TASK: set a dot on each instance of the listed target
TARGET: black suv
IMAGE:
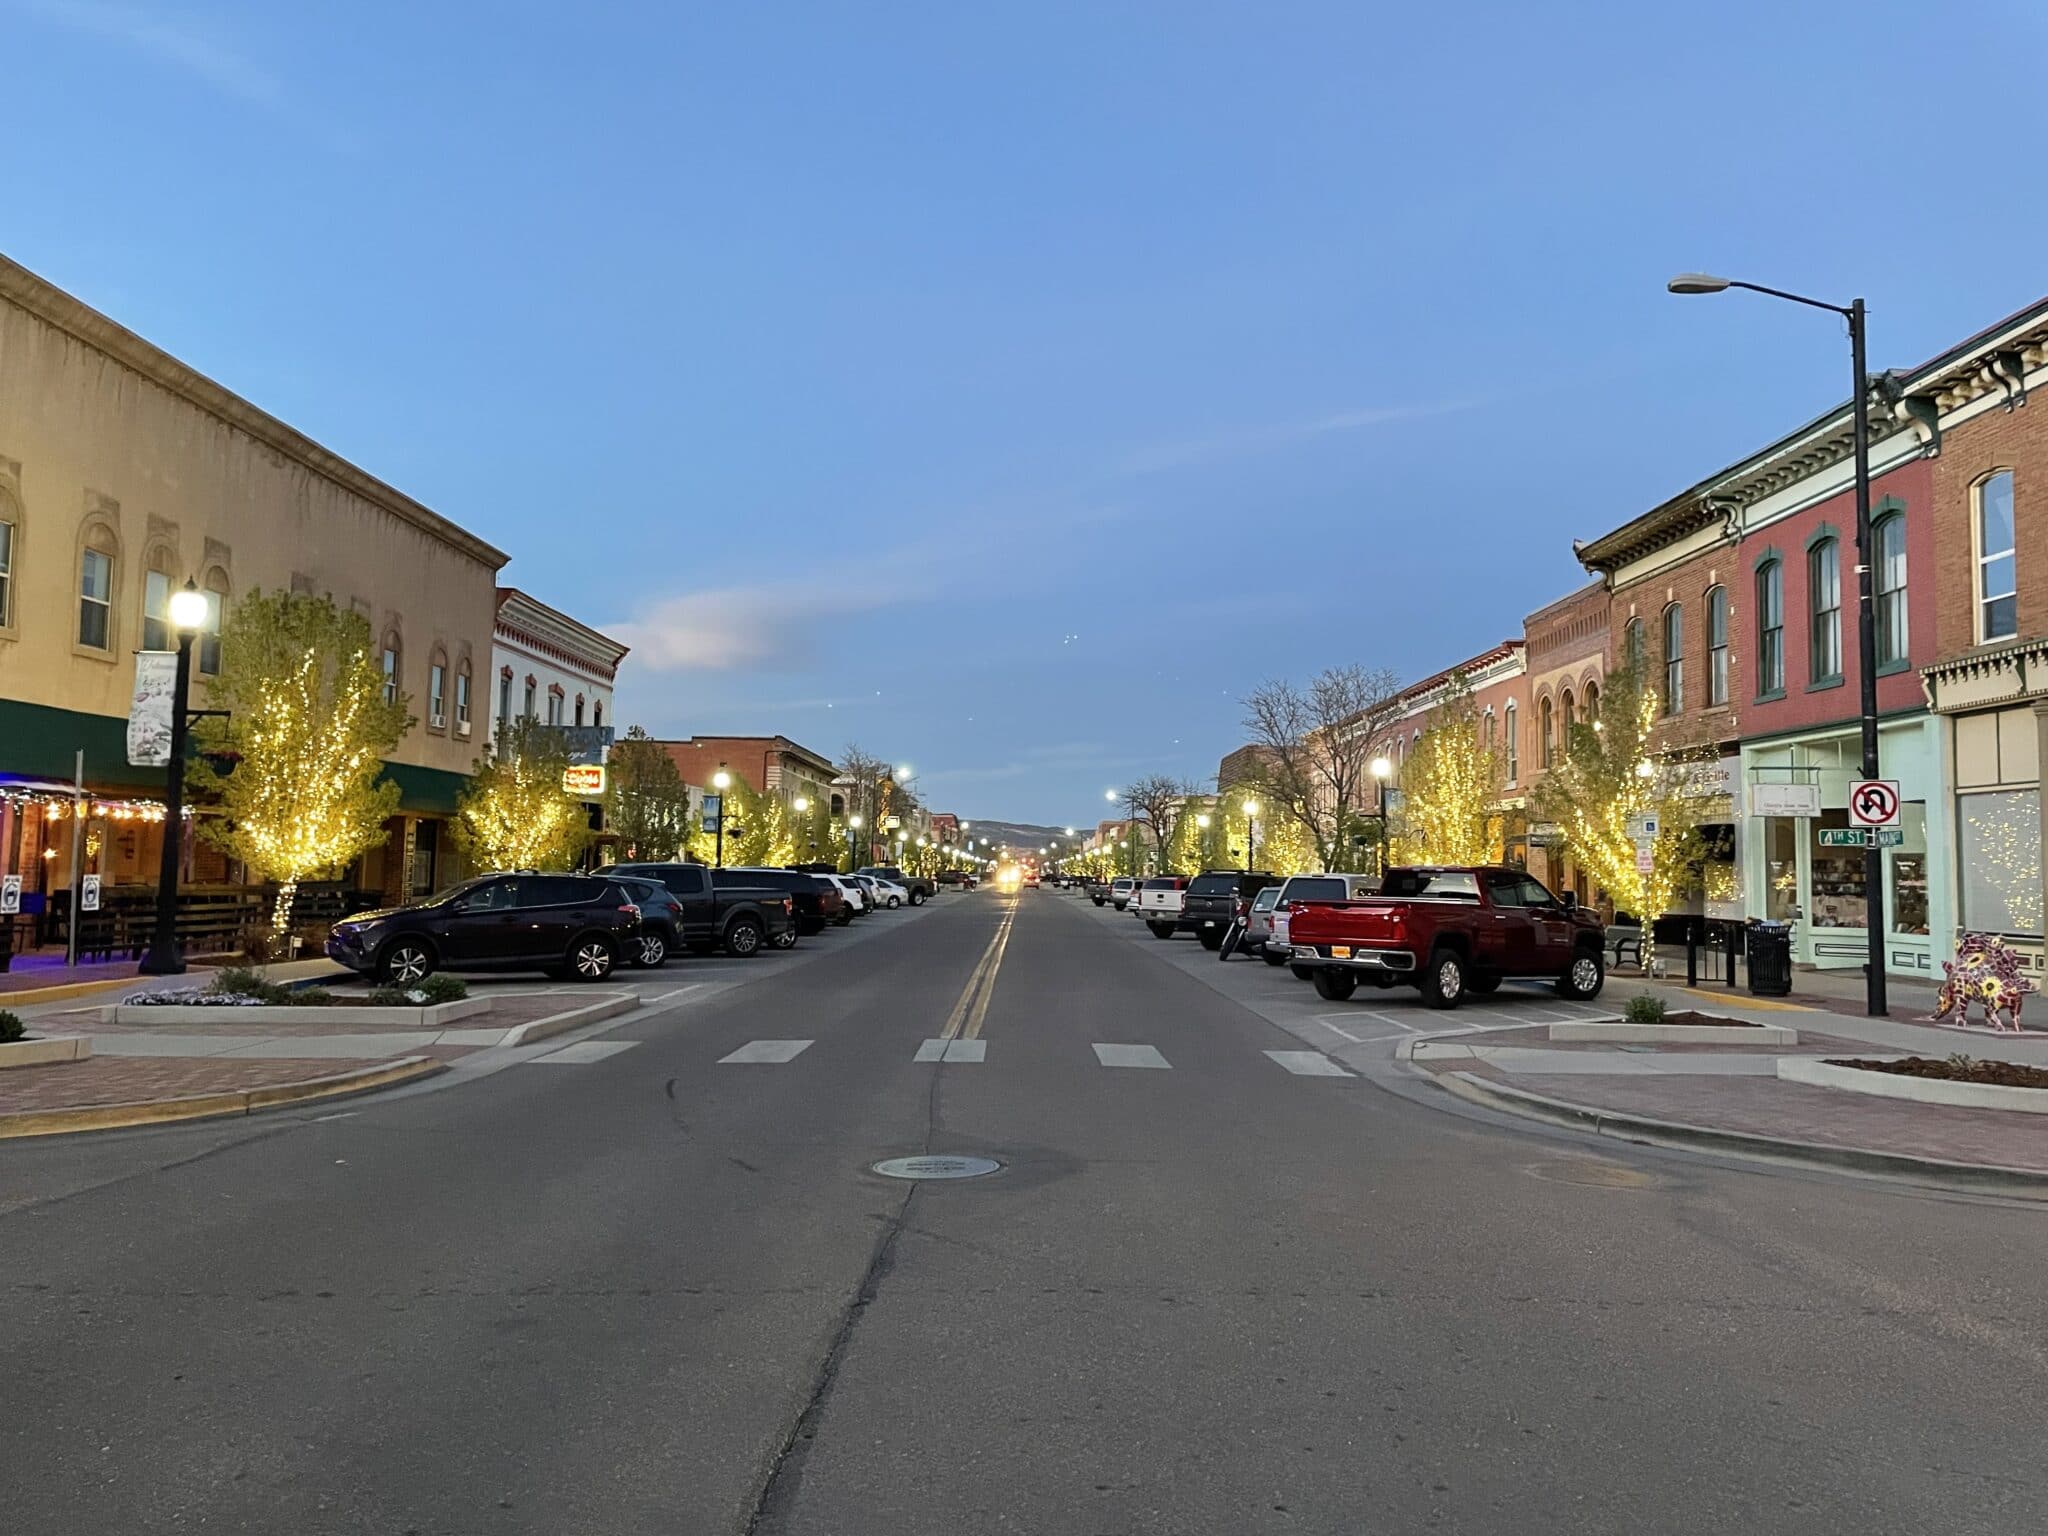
(661, 920)
(1210, 905)
(566, 925)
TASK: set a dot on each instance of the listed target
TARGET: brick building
(1565, 658)
(774, 764)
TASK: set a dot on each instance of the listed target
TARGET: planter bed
(42, 1050)
(1979, 1085)
(1686, 1028)
(429, 1016)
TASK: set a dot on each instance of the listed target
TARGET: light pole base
(155, 963)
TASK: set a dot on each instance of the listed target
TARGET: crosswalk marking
(952, 1050)
(1308, 1063)
(1130, 1056)
(583, 1052)
(771, 1052)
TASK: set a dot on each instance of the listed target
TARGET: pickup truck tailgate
(1371, 923)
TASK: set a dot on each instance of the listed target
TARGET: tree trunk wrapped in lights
(306, 734)
(515, 813)
(1450, 789)
(1626, 764)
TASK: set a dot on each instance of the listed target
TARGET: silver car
(1258, 926)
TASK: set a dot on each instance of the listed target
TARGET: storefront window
(1839, 896)
(1908, 910)
(2000, 837)
(1781, 869)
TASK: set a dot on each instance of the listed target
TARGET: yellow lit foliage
(1450, 789)
(515, 813)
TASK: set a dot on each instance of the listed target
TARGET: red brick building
(772, 763)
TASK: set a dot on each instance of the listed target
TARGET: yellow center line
(959, 1014)
(988, 983)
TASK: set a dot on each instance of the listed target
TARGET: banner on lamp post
(149, 711)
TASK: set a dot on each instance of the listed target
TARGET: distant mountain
(1020, 834)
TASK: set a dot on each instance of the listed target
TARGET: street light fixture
(1382, 769)
(186, 612)
(1874, 1002)
(1250, 809)
(721, 781)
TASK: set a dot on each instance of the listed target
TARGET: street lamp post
(1251, 809)
(1382, 771)
(1875, 1003)
(721, 781)
(187, 615)
(853, 823)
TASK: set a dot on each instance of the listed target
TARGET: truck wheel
(1584, 977)
(1335, 985)
(1161, 930)
(743, 937)
(1302, 973)
(1443, 979)
(1211, 939)
(1273, 956)
(917, 898)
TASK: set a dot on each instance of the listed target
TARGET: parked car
(1213, 899)
(661, 921)
(1312, 888)
(1450, 930)
(1258, 926)
(1098, 891)
(855, 893)
(921, 890)
(818, 902)
(888, 893)
(565, 925)
(1159, 903)
(737, 918)
(1121, 890)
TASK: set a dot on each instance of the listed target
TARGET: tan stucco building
(122, 474)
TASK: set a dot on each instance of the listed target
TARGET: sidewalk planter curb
(63, 991)
(433, 1016)
(1675, 1133)
(41, 1050)
(208, 1106)
(575, 1018)
(1676, 1034)
(1817, 1073)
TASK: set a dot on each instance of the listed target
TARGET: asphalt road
(648, 1290)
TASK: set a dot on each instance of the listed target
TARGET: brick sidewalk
(149, 1079)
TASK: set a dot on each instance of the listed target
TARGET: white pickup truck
(1159, 903)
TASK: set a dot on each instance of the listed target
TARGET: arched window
(98, 562)
(1565, 718)
(1487, 735)
(1514, 762)
(579, 709)
(1632, 643)
(391, 660)
(437, 690)
(1998, 614)
(597, 712)
(1888, 539)
(462, 698)
(1770, 627)
(156, 599)
(1824, 594)
(1545, 751)
(526, 709)
(1592, 701)
(216, 589)
(1717, 645)
(1674, 659)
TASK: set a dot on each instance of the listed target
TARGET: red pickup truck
(1448, 930)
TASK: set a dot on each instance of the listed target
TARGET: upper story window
(1998, 613)
(1487, 735)
(597, 713)
(1544, 733)
(579, 709)
(437, 693)
(527, 711)
(1508, 730)
(96, 599)
(462, 699)
(6, 563)
(1592, 703)
(156, 604)
(1632, 642)
(1770, 627)
(1824, 590)
(391, 669)
(1567, 717)
(1888, 539)
(554, 707)
(216, 593)
(504, 701)
(1717, 646)
(1674, 659)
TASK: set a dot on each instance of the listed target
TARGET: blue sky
(1008, 387)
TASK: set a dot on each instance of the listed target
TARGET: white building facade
(548, 667)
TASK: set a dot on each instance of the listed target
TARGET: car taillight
(630, 910)
(789, 904)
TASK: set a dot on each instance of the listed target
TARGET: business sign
(584, 743)
(713, 806)
(10, 895)
(149, 710)
(1874, 802)
(583, 779)
(892, 822)
(1784, 799)
(89, 893)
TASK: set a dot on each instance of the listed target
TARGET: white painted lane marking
(1130, 1056)
(1342, 1034)
(583, 1052)
(1308, 1063)
(765, 1052)
(941, 1049)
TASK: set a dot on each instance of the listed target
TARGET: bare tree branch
(1319, 741)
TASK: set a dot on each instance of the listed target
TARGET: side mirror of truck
(1567, 900)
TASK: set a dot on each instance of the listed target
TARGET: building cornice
(54, 307)
(525, 618)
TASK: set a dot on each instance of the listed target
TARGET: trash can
(1770, 958)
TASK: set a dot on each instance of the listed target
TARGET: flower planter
(1817, 1073)
(431, 1016)
(42, 1050)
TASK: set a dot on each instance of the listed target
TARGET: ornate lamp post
(721, 781)
(187, 617)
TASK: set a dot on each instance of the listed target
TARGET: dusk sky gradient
(1008, 388)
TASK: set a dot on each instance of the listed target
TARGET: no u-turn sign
(1874, 803)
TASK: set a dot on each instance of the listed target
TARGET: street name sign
(1857, 837)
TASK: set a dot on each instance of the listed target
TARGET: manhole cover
(1597, 1175)
(936, 1167)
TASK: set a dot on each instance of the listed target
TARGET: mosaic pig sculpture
(1987, 971)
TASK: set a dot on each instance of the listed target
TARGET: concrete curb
(64, 992)
(209, 1106)
(575, 1018)
(42, 1050)
(1624, 1033)
(428, 1016)
(1674, 1133)
(1818, 1073)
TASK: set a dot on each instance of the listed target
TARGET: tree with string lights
(515, 814)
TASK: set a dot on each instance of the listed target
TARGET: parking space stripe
(1130, 1056)
(765, 1052)
(1308, 1063)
